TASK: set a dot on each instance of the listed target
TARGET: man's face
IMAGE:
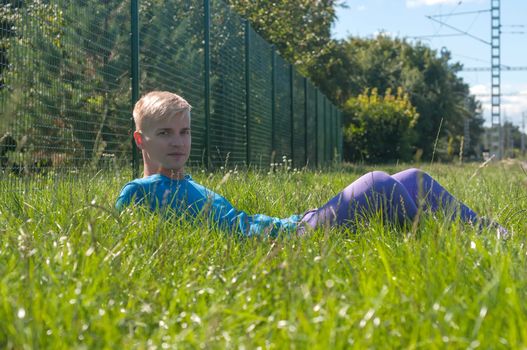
(166, 145)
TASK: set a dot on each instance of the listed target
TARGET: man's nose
(176, 141)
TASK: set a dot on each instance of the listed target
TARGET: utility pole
(496, 135)
(505, 136)
(523, 134)
(466, 136)
(496, 144)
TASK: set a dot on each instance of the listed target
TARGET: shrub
(379, 128)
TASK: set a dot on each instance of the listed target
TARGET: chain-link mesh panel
(171, 57)
(227, 123)
(64, 86)
(327, 133)
(334, 150)
(283, 109)
(321, 141)
(336, 142)
(311, 131)
(260, 124)
(331, 133)
(299, 127)
(339, 135)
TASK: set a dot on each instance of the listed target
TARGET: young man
(163, 134)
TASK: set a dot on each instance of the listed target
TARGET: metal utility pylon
(523, 133)
(496, 144)
(466, 136)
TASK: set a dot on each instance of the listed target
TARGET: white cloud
(417, 3)
(513, 101)
(479, 89)
(384, 33)
(513, 107)
(361, 8)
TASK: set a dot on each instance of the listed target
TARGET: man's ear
(138, 138)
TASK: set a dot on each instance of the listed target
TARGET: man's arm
(130, 192)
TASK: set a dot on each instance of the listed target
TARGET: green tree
(429, 78)
(379, 128)
(475, 120)
(300, 29)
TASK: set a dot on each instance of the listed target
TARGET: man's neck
(170, 173)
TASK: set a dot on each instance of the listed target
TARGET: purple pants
(396, 197)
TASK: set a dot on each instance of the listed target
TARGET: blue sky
(408, 18)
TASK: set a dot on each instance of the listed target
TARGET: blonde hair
(158, 105)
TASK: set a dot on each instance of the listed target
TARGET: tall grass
(76, 274)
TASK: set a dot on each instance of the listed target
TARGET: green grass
(75, 274)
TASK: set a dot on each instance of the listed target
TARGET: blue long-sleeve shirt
(187, 197)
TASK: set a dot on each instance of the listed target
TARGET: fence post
(331, 139)
(317, 161)
(334, 132)
(291, 89)
(335, 138)
(341, 137)
(325, 131)
(134, 28)
(305, 123)
(273, 102)
(206, 51)
(247, 91)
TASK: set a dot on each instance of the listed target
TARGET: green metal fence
(70, 72)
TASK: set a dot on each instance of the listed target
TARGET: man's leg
(426, 190)
(373, 192)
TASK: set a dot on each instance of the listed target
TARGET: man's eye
(161, 133)
(186, 132)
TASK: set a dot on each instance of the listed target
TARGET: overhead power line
(503, 94)
(460, 13)
(435, 36)
(487, 69)
(458, 30)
